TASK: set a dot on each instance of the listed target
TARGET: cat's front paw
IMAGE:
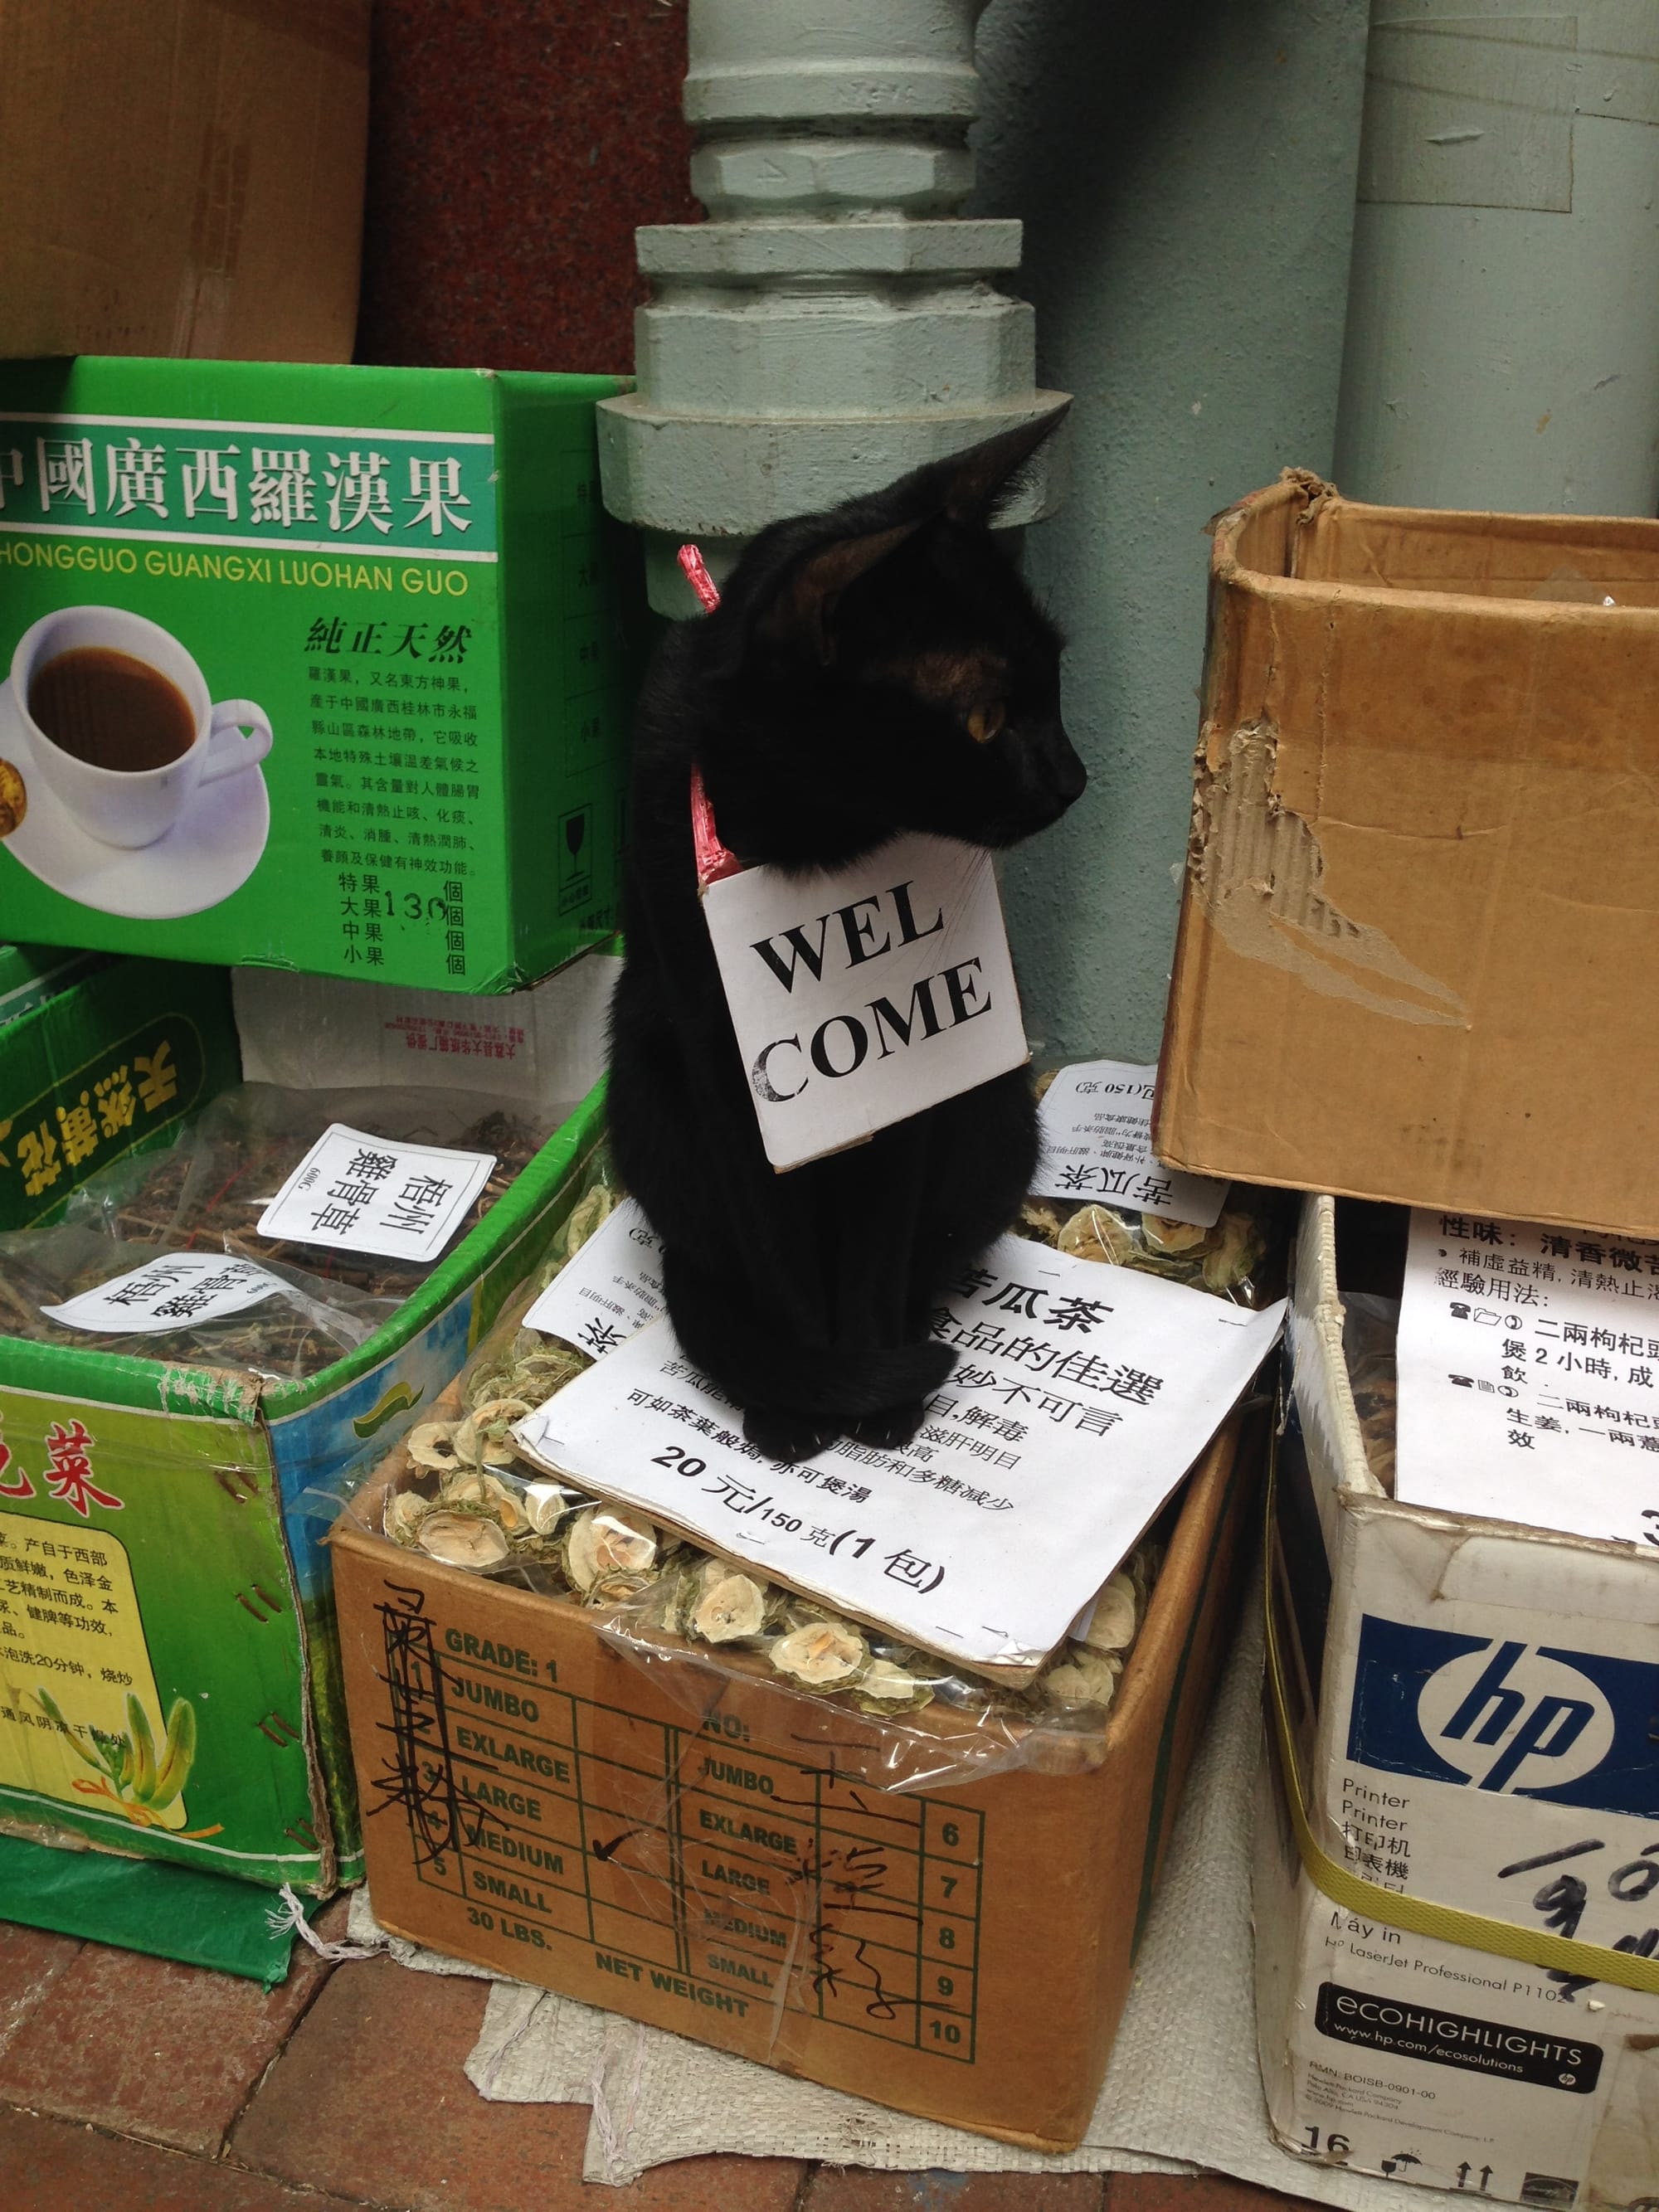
(788, 1436)
(892, 1428)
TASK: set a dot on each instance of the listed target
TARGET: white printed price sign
(177, 1292)
(365, 1194)
(609, 1289)
(1081, 1395)
(861, 996)
(1096, 1121)
(1528, 1375)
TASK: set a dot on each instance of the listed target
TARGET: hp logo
(1510, 1718)
(1507, 1715)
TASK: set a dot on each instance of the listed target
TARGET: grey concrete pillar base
(835, 324)
(712, 478)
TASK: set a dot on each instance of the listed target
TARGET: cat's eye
(984, 723)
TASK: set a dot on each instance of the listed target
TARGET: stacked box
(1472, 1707)
(160, 1524)
(703, 1849)
(316, 668)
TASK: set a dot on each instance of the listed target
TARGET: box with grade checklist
(325, 669)
(713, 1854)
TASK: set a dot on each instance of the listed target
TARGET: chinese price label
(609, 1290)
(1096, 1119)
(177, 1291)
(1080, 1397)
(1529, 1363)
(861, 996)
(368, 1194)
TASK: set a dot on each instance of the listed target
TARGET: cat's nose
(1070, 776)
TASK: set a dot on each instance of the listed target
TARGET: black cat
(875, 669)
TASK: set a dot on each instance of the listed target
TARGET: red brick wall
(514, 145)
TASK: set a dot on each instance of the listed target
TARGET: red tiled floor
(55, 2166)
(836, 2189)
(1203, 2192)
(369, 2101)
(145, 2047)
(31, 1959)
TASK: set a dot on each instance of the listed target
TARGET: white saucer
(209, 852)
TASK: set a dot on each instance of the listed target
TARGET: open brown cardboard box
(709, 1853)
(182, 177)
(1418, 955)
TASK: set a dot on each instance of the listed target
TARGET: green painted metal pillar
(835, 321)
(1502, 344)
(1186, 174)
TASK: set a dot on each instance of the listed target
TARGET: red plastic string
(698, 575)
(713, 859)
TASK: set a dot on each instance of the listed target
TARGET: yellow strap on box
(1475, 1931)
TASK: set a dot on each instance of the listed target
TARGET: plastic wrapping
(208, 1190)
(459, 1489)
(304, 1325)
(1370, 1328)
(1231, 1261)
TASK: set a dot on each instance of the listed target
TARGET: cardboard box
(1420, 890)
(319, 1032)
(160, 1524)
(370, 631)
(31, 973)
(710, 1854)
(103, 1066)
(183, 178)
(1472, 1703)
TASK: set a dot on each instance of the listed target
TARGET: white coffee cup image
(121, 725)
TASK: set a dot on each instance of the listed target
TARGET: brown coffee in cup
(111, 710)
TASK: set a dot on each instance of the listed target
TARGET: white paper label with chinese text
(1529, 1376)
(177, 1291)
(609, 1290)
(1096, 1121)
(863, 995)
(365, 1194)
(1081, 1395)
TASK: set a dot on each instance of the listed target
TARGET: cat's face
(949, 691)
(884, 664)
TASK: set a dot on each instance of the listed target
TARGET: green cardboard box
(30, 974)
(169, 1673)
(319, 668)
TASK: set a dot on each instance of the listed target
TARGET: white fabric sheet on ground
(1183, 2091)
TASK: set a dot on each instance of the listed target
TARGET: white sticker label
(862, 996)
(177, 1292)
(1081, 1396)
(1096, 1124)
(364, 1194)
(1529, 1376)
(609, 1290)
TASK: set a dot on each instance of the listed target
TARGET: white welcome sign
(863, 994)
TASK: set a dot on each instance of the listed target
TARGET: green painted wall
(1186, 173)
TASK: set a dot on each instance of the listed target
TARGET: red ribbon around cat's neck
(713, 859)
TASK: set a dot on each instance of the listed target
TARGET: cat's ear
(968, 484)
(804, 610)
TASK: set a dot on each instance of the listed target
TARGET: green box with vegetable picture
(309, 667)
(169, 1677)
